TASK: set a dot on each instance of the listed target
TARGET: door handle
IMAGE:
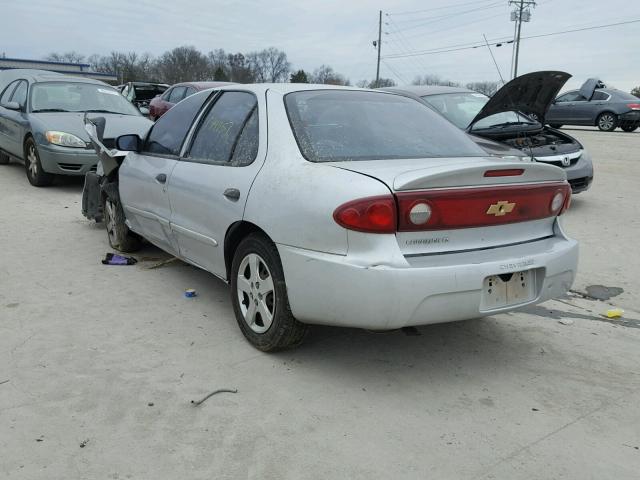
(161, 178)
(232, 194)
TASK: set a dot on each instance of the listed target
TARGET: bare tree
(269, 65)
(183, 64)
(430, 79)
(67, 57)
(486, 87)
(325, 74)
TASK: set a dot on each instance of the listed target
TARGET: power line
(393, 70)
(497, 41)
(439, 8)
(431, 20)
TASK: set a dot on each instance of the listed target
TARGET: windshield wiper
(98, 110)
(49, 110)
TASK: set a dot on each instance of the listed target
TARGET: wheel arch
(28, 135)
(235, 234)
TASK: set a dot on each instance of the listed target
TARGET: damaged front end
(104, 181)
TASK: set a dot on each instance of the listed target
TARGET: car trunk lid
(475, 203)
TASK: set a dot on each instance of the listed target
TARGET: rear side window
(190, 91)
(168, 133)
(228, 133)
(20, 93)
(343, 125)
(600, 96)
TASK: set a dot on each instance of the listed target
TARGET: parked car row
(161, 103)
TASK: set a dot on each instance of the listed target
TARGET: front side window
(20, 94)
(343, 125)
(228, 133)
(78, 97)
(167, 134)
(6, 94)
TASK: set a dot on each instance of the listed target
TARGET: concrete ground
(98, 365)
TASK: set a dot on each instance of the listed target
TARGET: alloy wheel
(606, 121)
(256, 294)
(33, 161)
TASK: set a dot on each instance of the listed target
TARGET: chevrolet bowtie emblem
(501, 208)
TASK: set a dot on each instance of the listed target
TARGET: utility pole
(379, 45)
(522, 13)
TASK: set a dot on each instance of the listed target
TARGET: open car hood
(531, 93)
(588, 87)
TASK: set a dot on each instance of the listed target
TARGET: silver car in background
(41, 122)
(338, 206)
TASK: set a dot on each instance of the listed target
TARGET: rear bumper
(67, 161)
(631, 117)
(339, 290)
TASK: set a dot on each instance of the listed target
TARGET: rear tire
(259, 296)
(120, 237)
(555, 125)
(629, 128)
(33, 168)
(607, 121)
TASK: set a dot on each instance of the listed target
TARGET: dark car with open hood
(512, 121)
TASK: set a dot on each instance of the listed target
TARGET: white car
(338, 206)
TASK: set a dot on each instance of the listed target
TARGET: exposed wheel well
(232, 239)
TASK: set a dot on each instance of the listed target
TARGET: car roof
(285, 88)
(203, 85)
(425, 90)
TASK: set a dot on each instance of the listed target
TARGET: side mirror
(12, 106)
(129, 143)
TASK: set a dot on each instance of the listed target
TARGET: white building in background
(77, 69)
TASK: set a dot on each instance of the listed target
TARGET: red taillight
(371, 215)
(512, 172)
(483, 206)
(634, 106)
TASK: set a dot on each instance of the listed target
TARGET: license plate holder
(509, 289)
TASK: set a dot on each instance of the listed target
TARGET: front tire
(629, 128)
(607, 122)
(120, 237)
(33, 168)
(555, 125)
(259, 296)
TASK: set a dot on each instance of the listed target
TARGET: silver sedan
(339, 206)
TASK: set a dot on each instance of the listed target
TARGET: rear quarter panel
(293, 200)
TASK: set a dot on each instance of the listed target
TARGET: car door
(144, 175)
(599, 102)
(209, 187)
(16, 122)
(562, 110)
(7, 133)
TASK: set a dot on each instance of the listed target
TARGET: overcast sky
(339, 33)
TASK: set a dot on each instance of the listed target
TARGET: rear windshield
(342, 125)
